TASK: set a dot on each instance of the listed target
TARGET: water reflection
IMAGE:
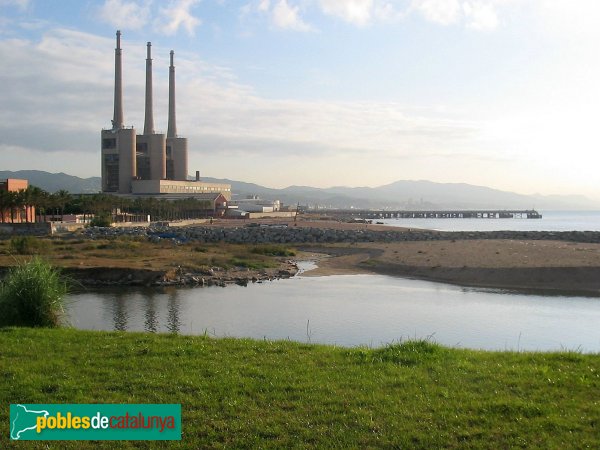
(151, 322)
(120, 314)
(173, 320)
(351, 310)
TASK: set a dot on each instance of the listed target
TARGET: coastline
(551, 266)
(218, 255)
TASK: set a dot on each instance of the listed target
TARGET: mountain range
(400, 194)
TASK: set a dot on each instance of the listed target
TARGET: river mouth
(350, 310)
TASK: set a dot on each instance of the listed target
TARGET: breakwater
(302, 235)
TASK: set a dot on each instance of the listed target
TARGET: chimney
(172, 129)
(117, 122)
(149, 120)
(197, 175)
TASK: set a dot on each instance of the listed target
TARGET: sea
(550, 221)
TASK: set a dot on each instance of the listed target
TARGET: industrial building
(149, 164)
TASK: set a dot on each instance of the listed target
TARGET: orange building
(14, 213)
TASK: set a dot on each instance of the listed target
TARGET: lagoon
(351, 310)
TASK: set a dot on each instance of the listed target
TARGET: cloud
(125, 14)
(78, 72)
(362, 12)
(281, 13)
(357, 12)
(21, 4)
(287, 16)
(178, 14)
(475, 14)
(480, 16)
(443, 12)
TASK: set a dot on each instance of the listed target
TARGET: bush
(273, 250)
(28, 245)
(31, 295)
(100, 221)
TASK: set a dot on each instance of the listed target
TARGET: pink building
(14, 213)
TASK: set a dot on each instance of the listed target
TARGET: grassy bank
(240, 393)
(139, 253)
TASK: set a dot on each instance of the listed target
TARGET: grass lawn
(244, 393)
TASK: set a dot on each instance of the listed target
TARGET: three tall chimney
(149, 118)
(172, 129)
(117, 122)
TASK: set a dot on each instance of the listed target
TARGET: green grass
(28, 245)
(273, 250)
(250, 263)
(242, 393)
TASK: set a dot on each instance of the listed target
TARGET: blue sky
(502, 93)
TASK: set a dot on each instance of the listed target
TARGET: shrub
(273, 250)
(31, 295)
(28, 245)
(100, 221)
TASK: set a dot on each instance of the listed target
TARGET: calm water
(551, 221)
(351, 310)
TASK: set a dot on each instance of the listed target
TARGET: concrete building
(141, 164)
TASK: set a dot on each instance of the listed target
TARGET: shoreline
(212, 255)
(537, 270)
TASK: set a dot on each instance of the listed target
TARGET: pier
(447, 214)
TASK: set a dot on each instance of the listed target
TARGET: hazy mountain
(412, 195)
(400, 194)
(53, 182)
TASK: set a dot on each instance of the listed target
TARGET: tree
(62, 198)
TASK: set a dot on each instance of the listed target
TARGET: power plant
(149, 164)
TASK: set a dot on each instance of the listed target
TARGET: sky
(498, 93)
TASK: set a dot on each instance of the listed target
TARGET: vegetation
(31, 295)
(28, 245)
(134, 252)
(101, 221)
(273, 250)
(103, 206)
(239, 393)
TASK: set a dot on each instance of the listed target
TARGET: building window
(141, 148)
(111, 170)
(109, 143)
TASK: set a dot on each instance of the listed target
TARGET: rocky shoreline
(303, 235)
(215, 276)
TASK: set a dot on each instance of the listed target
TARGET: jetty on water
(449, 214)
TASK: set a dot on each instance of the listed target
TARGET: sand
(509, 264)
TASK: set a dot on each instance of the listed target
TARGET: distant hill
(53, 182)
(400, 194)
(412, 195)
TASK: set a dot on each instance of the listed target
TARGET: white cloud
(443, 12)
(264, 5)
(21, 4)
(288, 17)
(358, 12)
(480, 15)
(125, 14)
(178, 14)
